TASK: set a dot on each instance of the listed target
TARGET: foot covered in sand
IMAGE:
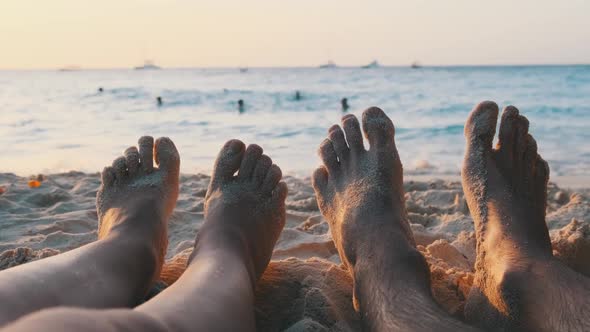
(136, 199)
(360, 193)
(518, 284)
(244, 212)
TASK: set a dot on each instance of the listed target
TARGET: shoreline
(563, 181)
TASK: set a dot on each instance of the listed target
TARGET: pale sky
(220, 33)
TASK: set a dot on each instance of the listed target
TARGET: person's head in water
(344, 103)
(240, 105)
(159, 101)
(100, 90)
(297, 95)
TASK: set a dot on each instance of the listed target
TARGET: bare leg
(518, 282)
(134, 203)
(244, 215)
(86, 320)
(361, 195)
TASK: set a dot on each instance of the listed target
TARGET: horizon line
(81, 68)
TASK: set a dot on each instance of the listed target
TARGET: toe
(530, 156)
(541, 180)
(228, 161)
(146, 153)
(251, 156)
(520, 139)
(280, 192)
(336, 135)
(319, 180)
(120, 167)
(328, 156)
(378, 128)
(261, 169)
(542, 171)
(507, 133)
(132, 159)
(107, 176)
(167, 156)
(529, 161)
(481, 125)
(479, 133)
(352, 130)
(272, 178)
(542, 177)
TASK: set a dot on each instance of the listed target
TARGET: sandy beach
(305, 286)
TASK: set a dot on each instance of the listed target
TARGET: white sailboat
(373, 64)
(329, 64)
(148, 65)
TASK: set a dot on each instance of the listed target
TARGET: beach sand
(305, 287)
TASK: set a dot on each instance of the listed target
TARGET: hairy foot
(361, 195)
(506, 190)
(244, 212)
(361, 192)
(136, 199)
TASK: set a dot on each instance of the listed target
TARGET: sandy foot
(132, 186)
(244, 212)
(61, 215)
(506, 190)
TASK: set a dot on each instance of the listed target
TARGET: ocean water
(54, 121)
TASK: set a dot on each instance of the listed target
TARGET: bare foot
(506, 190)
(136, 199)
(361, 195)
(244, 212)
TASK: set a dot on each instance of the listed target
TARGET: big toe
(167, 156)
(479, 133)
(228, 161)
(480, 127)
(378, 128)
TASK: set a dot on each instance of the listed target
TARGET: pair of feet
(361, 195)
(518, 283)
(244, 212)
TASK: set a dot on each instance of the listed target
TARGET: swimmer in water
(241, 106)
(344, 103)
(297, 95)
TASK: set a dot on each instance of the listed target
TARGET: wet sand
(304, 288)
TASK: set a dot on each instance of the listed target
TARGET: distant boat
(416, 65)
(70, 68)
(148, 65)
(243, 69)
(329, 64)
(373, 64)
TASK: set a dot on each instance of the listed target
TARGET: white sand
(304, 288)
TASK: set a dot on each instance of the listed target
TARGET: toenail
(234, 147)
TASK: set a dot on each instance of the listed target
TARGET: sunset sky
(218, 33)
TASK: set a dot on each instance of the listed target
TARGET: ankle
(137, 218)
(223, 244)
(393, 268)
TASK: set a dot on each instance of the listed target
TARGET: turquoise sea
(54, 121)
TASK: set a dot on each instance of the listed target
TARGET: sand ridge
(304, 288)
